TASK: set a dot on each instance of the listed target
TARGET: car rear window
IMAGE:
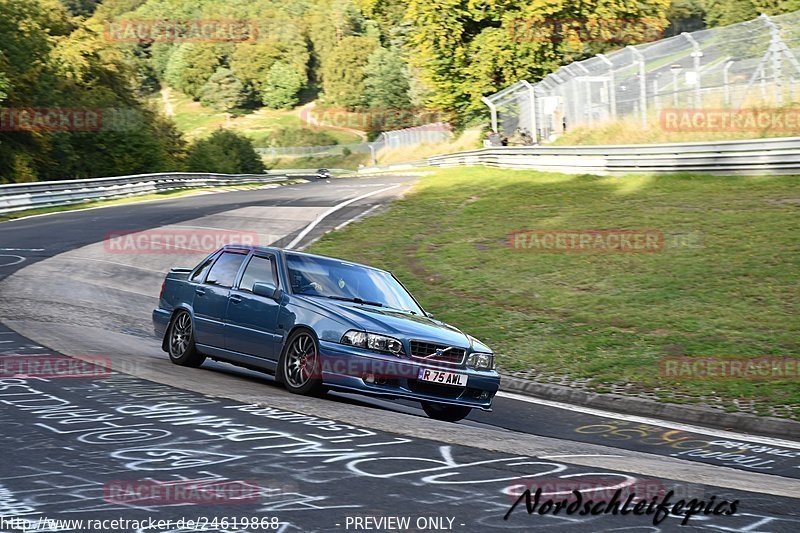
(202, 269)
(223, 273)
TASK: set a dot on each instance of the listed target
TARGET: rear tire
(446, 413)
(300, 364)
(180, 342)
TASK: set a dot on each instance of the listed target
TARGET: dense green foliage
(224, 152)
(50, 63)
(295, 136)
(360, 55)
(222, 90)
(377, 54)
(283, 83)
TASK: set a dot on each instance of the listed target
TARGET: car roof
(275, 249)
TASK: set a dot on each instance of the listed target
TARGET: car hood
(394, 323)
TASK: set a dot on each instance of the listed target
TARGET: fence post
(726, 82)
(612, 86)
(532, 100)
(774, 52)
(642, 85)
(656, 101)
(696, 55)
(492, 110)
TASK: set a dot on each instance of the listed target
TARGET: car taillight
(161, 294)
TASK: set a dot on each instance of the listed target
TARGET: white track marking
(332, 210)
(19, 259)
(722, 434)
(358, 216)
(123, 264)
(577, 455)
(21, 249)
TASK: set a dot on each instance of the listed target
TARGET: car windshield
(340, 280)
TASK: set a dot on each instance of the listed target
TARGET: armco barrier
(780, 155)
(21, 196)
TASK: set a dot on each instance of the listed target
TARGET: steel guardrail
(778, 155)
(24, 196)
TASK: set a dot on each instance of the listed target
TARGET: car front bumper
(354, 369)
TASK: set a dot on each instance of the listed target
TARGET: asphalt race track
(340, 463)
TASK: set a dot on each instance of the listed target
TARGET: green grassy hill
(724, 284)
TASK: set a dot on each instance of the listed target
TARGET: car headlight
(373, 341)
(481, 361)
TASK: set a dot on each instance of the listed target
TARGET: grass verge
(197, 121)
(630, 131)
(724, 285)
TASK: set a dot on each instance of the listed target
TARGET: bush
(223, 91)
(282, 85)
(296, 136)
(224, 152)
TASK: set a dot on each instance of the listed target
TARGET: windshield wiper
(354, 300)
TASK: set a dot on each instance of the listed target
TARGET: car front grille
(427, 351)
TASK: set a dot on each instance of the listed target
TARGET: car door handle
(200, 291)
(235, 298)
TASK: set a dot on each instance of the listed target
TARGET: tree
(464, 50)
(81, 7)
(386, 80)
(5, 86)
(191, 65)
(225, 152)
(251, 63)
(724, 12)
(685, 16)
(223, 91)
(48, 60)
(330, 22)
(343, 72)
(282, 85)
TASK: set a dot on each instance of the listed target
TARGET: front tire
(180, 342)
(446, 413)
(300, 364)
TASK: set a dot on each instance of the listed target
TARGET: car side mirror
(429, 315)
(267, 290)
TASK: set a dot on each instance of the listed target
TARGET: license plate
(443, 378)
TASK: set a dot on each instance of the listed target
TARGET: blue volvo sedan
(319, 323)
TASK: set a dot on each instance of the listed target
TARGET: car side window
(223, 273)
(258, 270)
(202, 269)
